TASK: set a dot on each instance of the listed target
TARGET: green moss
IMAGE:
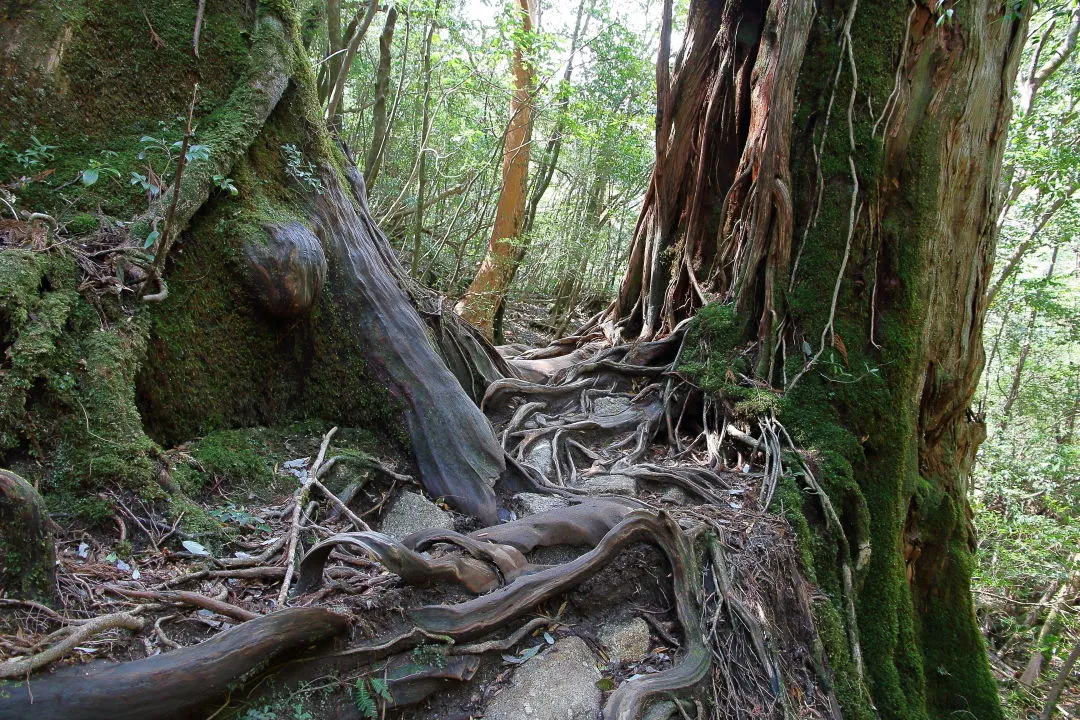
(234, 457)
(198, 523)
(66, 390)
(81, 59)
(82, 224)
(216, 360)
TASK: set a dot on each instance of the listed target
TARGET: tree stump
(27, 554)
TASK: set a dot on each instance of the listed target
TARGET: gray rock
(561, 685)
(609, 485)
(626, 640)
(659, 711)
(411, 513)
(611, 405)
(533, 503)
(675, 495)
(556, 554)
(539, 455)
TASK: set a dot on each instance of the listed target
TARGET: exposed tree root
(741, 629)
(79, 634)
(170, 685)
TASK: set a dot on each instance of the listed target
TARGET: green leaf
(89, 176)
(151, 239)
(381, 689)
(363, 701)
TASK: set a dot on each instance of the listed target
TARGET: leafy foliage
(367, 693)
(1026, 493)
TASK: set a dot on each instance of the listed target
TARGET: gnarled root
(170, 685)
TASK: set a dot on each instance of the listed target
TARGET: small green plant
(150, 187)
(366, 693)
(427, 654)
(225, 183)
(238, 515)
(163, 152)
(97, 168)
(300, 170)
(266, 712)
(37, 154)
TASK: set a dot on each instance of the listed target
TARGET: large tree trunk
(849, 224)
(279, 304)
(485, 294)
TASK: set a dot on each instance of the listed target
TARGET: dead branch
(80, 634)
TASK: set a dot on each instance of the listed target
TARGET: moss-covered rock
(27, 555)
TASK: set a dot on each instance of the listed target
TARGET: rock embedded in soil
(609, 485)
(607, 405)
(676, 496)
(411, 513)
(560, 685)
(627, 640)
(534, 503)
(557, 554)
(539, 455)
(660, 711)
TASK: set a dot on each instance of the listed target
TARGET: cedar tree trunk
(824, 200)
(281, 303)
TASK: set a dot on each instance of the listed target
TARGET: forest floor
(597, 433)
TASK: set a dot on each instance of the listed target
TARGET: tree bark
(488, 288)
(379, 124)
(285, 302)
(852, 248)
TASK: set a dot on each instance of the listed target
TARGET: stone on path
(540, 456)
(614, 484)
(411, 513)
(534, 503)
(627, 640)
(560, 685)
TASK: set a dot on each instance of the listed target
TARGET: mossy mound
(67, 398)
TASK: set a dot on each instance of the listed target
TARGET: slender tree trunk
(357, 30)
(1025, 350)
(488, 288)
(334, 49)
(373, 160)
(554, 145)
(1059, 683)
(1027, 245)
(425, 129)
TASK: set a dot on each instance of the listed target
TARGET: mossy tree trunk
(283, 302)
(827, 183)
